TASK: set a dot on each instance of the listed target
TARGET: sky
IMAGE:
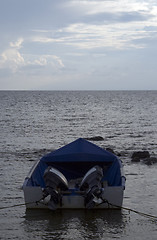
(78, 45)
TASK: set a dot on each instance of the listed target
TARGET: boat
(79, 175)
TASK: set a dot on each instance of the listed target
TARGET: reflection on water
(75, 224)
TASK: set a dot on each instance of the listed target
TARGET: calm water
(34, 123)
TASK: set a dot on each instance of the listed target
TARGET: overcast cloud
(78, 45)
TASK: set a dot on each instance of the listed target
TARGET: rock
(96, 138)
(150, 160)
(135, 159)
(110, 150)
(119, 154)
(136, 156)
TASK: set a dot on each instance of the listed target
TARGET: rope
(129, 209)
(20, 204)
(104, 201)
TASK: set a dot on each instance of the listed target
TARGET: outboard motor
(55, 181)
(91, 184)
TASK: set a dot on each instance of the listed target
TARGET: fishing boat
(77, 175)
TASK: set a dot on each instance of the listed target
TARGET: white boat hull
(76, 176)
(33, 196)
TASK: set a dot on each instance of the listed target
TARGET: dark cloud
(106, 17)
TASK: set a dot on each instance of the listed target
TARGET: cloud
(98, 7)
(59, 61)
(14, 60)
(43, 61)
(102, 24)
(45, 39)
(117, 17)
(92, 24)
(88, 36)
(17, 44)
(11, 59)
(70, 38)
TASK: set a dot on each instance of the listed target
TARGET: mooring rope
(16, 205)
(104, 201)
(129, 209)
(20, 204)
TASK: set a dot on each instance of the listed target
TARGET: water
(34, 123)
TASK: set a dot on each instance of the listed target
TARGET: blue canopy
(75, 159)
(79, 151)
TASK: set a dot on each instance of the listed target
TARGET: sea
(34, 123)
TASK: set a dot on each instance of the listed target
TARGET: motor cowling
(55, 182)
(91, 184)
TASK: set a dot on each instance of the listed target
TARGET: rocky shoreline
(143, 156)
(136, 157)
